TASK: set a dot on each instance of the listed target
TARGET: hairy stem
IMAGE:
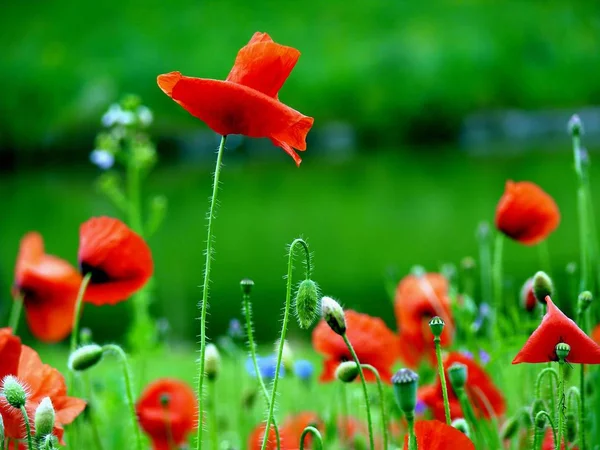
(438, 354)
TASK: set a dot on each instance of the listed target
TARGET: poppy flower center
(99, 276)
(28, 295)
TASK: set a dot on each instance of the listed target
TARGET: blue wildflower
(266, 367)
(303, 369)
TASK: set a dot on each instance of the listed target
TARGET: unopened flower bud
(406, 383)
(436, 325)
(462, 426)
(44, 418)
(49, 442)
(575, 125)
(347, 371)
(562, 351)
(246, 284)
(540, 420)
(537, 406)
(510, 428)
(85, 357)
(212, 361)
(542, 287)
(14, 392)
(525, 418)
(528, 300)
(457, 373)
(571, 427)
(287, 356)
(307, 303)
(584, 301)
(333, 314)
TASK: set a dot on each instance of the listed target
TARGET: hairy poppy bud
(14, 392)
(406, 383)
(510, 428)
(85, 357)
(49, 442)
(540, 420)
(437, 326)
(542, 287)
(537, 406)
(575, 125)
(562, 350)
(212, 361)
(307, 303)
(584, 301)
(571, 427)
(44, 418)
(246, 285)
(347, 371)
(457, 373)
(333, 314)
(462, 426)
(525, 418)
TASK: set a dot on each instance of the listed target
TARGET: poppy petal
(31, 251)
(10, 352)
(435, 435)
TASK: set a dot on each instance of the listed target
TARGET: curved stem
(205, 287)
(286, 317)
(75, 331)
(384, 419)
(27, 428)
(550, 421)
(438, 354)
(128, 390)
(315, 433)
(365, 390)
(15, 313)
(252, 349)
(561, 402)
(538, 385)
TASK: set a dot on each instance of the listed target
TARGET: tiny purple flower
(420, 407)
(484, 357)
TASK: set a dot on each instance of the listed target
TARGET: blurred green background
(402, 76)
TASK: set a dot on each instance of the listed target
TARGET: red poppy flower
(349, 429)
(418, 299)
(289, 433)
(373, 341)
(48, 286)
(480, 388)
(554, 329)
(246, 103)
(526, 213)
(167, 409)
(41, 381)
(528, 300)
(118, 259)
(256, 438)
(596, 334)
(435, 435)
(548, 443)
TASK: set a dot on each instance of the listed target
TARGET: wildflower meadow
(465, 359)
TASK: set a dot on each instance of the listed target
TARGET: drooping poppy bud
(584, 301)
(510, 428)
(571, 427)
(44, 418)
(212, 361)
(542, 287)
(85, 357)
(307, 303)
(14, 392)
(528, 300)
(347, 371)
(405, 383)
(540, 421)
(463, 426)
(333, 314)
(457, 373)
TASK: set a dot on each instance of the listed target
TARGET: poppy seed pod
(542, 287)
(333, 314)
(44, 418)
(462, 426)
(584, 301)
(575, 125)
(347, 371)
(562, 351)
(437, 326)
(246, 285)
(457, 373)
(212, 361)
(406, 383)
(307, 303)
(14, 392)
(510, 428)
(85, 357)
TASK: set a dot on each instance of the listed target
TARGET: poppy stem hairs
(437, 327)
(246, 286)
(286, 318)
(317, 435)
(562, 351)
(205, 287)
(384, 419)
(15, 312)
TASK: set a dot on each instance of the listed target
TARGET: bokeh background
(422, 112)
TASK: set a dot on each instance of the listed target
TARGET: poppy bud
(537, 406)
(212, 361)
(528, 300)
(457, 373)
(575, 125)
(246, 284)
(44, 418)
(85, 357)
(510, 428)
(347, 371)
(571, 427)
(542, 287)
(584, 301)
(287, 356)
(333, 314)
(437, 326)
(525, 418)
(14, 392)
(406, 383)
(462, 426)
(49, 442)
(540, 420)
(562, 351)
(307, 303)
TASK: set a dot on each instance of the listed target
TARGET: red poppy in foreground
(434, 435)
(167, 409)
(48, 286)
(373, 341)
(555, 328)
(246, 103)
(118, 259)
(596, 334)
(41, 381)
(480, 388)
(289, 433)
(418, 299)
(526, 213)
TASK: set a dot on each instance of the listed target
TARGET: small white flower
(144, 115)
(112, 115)
(102, 158)
(126, 118)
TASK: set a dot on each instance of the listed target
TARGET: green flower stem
(384, 418)
(538, 385)
(286, 318)
(412, 437)
(252, 349)
(15, 313)
(315, 433)
(438, 354)
(485, 265)
(92, 413)
(128, 390)
(27, 428)
(205, 286)
(540, 432)
(344, 397)
(561, 402)
(365, 390)
(497, 282)
(582, 412)
(76, 317)
(545, 257)
(467, 409)
(213, 416)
